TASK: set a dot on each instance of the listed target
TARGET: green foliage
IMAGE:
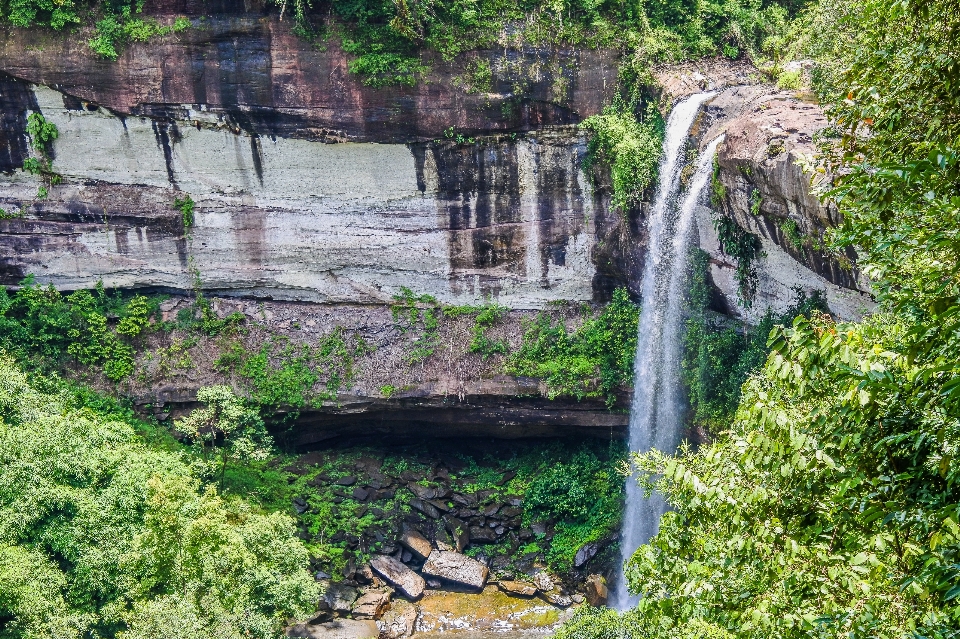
(595, 360)
(101, 535)
(756, 201)
(487, 316)
(27, 13)
(387, 38)
(421, 313)
(605, 623)
(224, 429)
(792, 233)
(283, 376)
(114, 32)
(583, 496)
(829, 506)
(718, 357)
(186, 206)
(629, 147)
(744, 247)
(42, 327)
(388, 390)
(201, 318)
(41, 132)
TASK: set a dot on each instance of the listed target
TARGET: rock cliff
(310, 187)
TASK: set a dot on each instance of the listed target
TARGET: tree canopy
(102, 535)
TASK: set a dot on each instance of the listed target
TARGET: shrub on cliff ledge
(630, 148)
(595, 360)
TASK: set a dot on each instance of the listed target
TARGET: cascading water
(655, 418)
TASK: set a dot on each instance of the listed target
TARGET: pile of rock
(419, 512)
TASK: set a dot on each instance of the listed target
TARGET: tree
(101, 534)
(225, 429)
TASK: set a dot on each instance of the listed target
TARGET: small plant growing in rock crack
(756, 201)
(200, 316)
(792, 233)
(718, 192)
(42, 133)
(388, 391)
(186, 207)
(744, 247)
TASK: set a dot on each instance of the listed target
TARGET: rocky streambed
(432, 541)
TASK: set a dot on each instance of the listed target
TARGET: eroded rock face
(337, 629)
(511, 217)
(763, 188)
(243, 67)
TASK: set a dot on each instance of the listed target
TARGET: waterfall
(656, 413)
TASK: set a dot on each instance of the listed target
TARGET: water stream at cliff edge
(656, 413)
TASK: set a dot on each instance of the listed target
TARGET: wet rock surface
(337, 629)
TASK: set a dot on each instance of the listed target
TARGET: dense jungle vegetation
(825, 506)
(387, 38)
(828, 507)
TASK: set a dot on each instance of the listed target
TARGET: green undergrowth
(45, 329)
(593, 360)
(387, 38)
(117, 22)
(423, 314)
(719, 355)
(575, 486)
(283, 376)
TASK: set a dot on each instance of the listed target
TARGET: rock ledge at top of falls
(765, 191)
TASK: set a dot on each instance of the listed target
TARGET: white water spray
(656, 414)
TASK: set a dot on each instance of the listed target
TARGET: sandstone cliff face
(759, 183)
(510, 217)
(313, 188)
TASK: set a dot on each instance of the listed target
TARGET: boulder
(517, 588)
(543, 582)
(422, 492)
(338, 629)
(585, 554)
(555, 598)
(455, 567)
(407, 581)
(399, 621)
(371, 604)
(416, 542)
(595, 590)
(459, 533)
(339, 598)
(467, 500)
(481, 535)
(426, 508)
(349, 480)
